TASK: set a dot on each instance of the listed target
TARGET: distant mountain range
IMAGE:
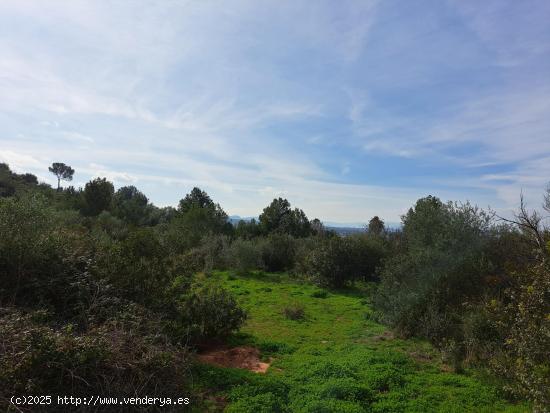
(339, 227)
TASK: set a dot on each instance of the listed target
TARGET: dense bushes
(441, 267)
(136, 266)
(523, 321)
(39, 259)
(91, 303)
(100, 279)
(208, 312)
(479, 291)
(108, 360)
(244, 256)
(336, 261)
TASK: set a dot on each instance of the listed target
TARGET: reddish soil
(238, 357)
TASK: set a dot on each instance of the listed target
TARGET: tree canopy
(279, 217)
(98, 195)
(62, 172)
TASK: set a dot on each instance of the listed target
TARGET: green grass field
(335, 359)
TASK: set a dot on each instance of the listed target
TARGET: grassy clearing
(335, 359)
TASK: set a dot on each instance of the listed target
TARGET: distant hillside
(338, 227)
(346, 230)
(234, 219)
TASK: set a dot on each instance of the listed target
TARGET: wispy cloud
(349, 109)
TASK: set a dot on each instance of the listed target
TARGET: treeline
(95, 269)
(96, 296)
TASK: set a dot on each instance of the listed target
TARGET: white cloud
(20, 162)
(176, 94)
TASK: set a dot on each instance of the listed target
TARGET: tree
(273, 215)
(62, 172)
(279, 217)
(98, 195)
(197, 198)
(441, 266)
(317, 227)
(247, 229)
(197, 216)
(376, 226)
(130, 204)
(199, 203)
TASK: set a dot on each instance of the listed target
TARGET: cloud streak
(350, 110)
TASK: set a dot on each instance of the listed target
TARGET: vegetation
(337, 359)
(114, 295)
(61, 172)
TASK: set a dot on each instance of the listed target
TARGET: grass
(336, 359)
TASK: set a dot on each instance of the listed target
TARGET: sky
(348, 109)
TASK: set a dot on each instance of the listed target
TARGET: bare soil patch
(244, 357)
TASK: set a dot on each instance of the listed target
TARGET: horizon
(348, 111)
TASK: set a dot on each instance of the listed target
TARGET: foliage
(337, 261)
(136, 267)
(37, 258)
(12, 183)
(295, 311)
(197, 216)
(248, 229)
(376, 226)
(98, 195)
(279, 217)
(244, 256)
(62, 172)
(278, 252)
(130, 205)
(442, 266)
(336, 360)
(524, 320)
(111, 360)
(209, 312)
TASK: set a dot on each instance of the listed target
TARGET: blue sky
(348, 109)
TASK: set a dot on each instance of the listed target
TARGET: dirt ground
(243, 357)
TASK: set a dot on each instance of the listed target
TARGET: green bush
(278, 252)
(108, 360)
(215, 250)
(244, 256)
(295, 311)
(137, 267)
(39, 259)
(423, 289)
(523, 317)
(337, 261)
(319, 294)
(208, 312)
(330, 263)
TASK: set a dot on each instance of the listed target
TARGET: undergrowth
(337, 359)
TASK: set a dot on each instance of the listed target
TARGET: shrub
(337, 261)
(278, 252)
(423, 289)
(244, 256)
(319, 294)
(208, 312)
(136, 267)
(112, 226)
(187, 263)
(294, 311)
(330, 263)
(38, 260)
(524, 319)
(215, 251)
(109, 360)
